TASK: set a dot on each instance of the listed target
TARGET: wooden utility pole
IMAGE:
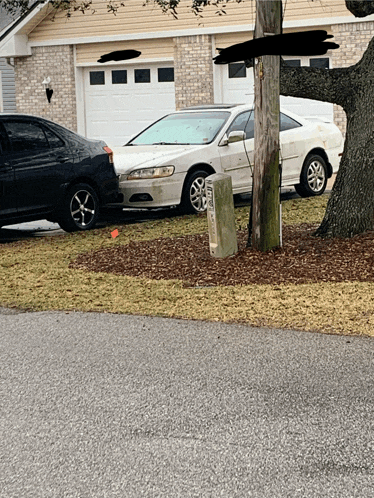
(265, 211)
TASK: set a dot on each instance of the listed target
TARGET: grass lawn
(34, 275)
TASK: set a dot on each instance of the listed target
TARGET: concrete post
(221, 216)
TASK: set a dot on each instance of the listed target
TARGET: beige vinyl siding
(223, 40)
(296, 10)
(136, 18)
(36, 20)
(150, 49)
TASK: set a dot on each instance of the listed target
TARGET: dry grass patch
(35, 274)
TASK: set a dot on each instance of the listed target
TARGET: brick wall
(57, 62)
(353, 40)
(193, 70)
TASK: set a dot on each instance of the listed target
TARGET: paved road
(104, 405)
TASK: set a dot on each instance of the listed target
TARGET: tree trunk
(265, 213)
(350, 209)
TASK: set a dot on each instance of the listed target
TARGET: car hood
(129, 157)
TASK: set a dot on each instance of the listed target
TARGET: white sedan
(167, 163)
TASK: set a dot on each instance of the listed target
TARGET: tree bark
(350, 209)
(360, 8)
(265, 202)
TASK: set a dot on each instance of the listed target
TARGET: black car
(49, 172)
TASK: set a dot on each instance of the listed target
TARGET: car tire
(80, 208)
(194, 195)
(313, 178)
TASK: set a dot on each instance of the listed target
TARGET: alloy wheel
(82, 208)
(316, 176)
(198, 194)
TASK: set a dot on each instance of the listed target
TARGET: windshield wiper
(170, 143)
(164, 143)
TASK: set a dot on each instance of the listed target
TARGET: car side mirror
(234, 136)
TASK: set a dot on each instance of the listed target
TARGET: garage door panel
(98, 128)
(120, 103)
(238, 87)
(238, 96)
(97, 103)
(116, 111)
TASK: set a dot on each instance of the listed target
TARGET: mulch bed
(302, 259)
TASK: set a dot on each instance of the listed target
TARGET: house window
(293, 62)
(97, 78)
(165, 74)
(119, 77)
(142, 75)
(237, 70)
(320, 63)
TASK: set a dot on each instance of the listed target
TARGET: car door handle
(63, 159)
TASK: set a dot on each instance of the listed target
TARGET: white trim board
(131, 62)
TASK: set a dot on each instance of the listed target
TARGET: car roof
(40, 118)
(22, 115)
(19, 115)
(47, 121)
(210, 106)
(233, 108)
(237, 108)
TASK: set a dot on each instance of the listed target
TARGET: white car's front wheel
(194, 195)
(313, 178)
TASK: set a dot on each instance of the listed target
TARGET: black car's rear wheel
(79, 209)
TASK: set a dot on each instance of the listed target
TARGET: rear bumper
(334, 158)
(109, 191)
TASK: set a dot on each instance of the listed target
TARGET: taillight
(109, 151)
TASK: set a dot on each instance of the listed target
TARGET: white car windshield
(195, 128)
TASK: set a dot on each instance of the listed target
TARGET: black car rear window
(25, 136)
(53, 140)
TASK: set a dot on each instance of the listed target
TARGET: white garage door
(238, 88)
(122, 100)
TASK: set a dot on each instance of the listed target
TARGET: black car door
(8, 201)
(40, 159)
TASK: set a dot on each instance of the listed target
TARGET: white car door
(234, 158)
(292, 144)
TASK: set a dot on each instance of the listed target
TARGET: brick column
(193, 70)
(353, 39)
(57, 62)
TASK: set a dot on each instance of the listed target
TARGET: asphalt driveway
(105, 405)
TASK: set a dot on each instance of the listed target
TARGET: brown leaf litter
(303, 258)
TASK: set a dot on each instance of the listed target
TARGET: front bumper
(160, 192)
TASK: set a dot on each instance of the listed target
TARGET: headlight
(147, 173)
